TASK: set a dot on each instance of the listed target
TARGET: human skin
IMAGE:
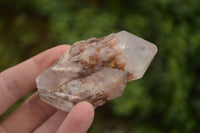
(34, 115)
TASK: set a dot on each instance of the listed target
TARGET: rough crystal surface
(95, 70)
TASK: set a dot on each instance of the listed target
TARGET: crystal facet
(95, 70)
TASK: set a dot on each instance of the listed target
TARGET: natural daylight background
(165, 100)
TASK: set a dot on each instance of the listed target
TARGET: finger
(52, 124)
(32, 113)
(79, 119)
(20, 79)
(2, 130)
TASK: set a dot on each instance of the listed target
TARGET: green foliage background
(166, 99)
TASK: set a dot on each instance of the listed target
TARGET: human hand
(34, 115)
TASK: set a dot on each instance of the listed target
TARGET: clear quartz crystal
(95, 70)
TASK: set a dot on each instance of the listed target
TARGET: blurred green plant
(166, 99)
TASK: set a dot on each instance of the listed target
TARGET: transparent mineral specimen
(95, 70)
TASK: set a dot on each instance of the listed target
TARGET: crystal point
(95, 70)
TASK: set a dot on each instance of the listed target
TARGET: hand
(34, 115)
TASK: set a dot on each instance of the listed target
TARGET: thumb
(79, 119)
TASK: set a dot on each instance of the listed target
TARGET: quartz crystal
(95, 70)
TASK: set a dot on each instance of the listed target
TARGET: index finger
(17, 81)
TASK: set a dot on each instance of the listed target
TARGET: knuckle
(10, 86)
